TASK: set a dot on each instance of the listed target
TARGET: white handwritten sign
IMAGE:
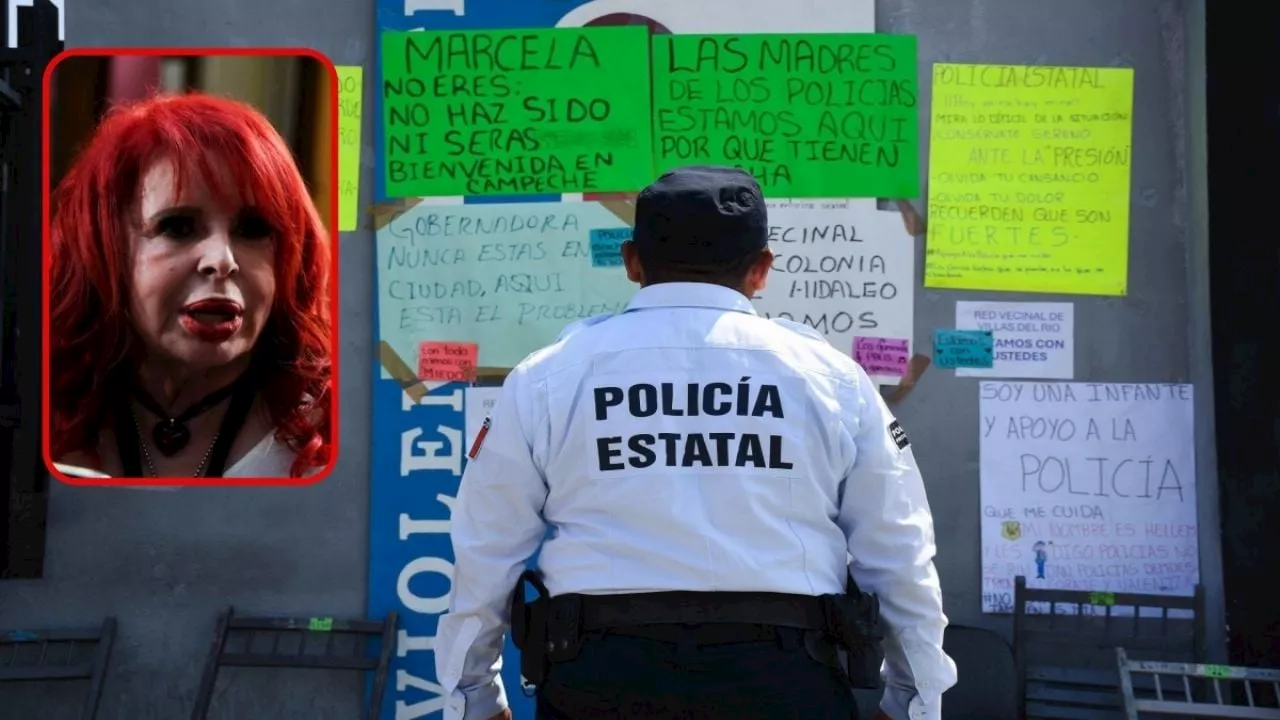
(844, 268)
(507, 277)
(1032, 340)
(1089, 487)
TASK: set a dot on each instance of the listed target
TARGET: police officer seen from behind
(706, 474)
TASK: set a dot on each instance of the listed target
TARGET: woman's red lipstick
(212, 321)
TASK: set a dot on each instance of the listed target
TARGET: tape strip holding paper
(915, 368)
(623, 208)
(383, 214)
(398, 369)
(911, 218)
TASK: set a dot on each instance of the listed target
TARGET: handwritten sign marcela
(1087, 487)
(516, 112)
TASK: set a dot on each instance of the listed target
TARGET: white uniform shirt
(690, 444)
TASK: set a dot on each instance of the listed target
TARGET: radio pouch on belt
(529, 627)
(853, 620)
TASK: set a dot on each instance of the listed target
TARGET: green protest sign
(808, 115)
(516, 112)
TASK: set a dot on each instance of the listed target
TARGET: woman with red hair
(189, 318)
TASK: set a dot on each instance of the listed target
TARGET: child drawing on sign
(1041, 556)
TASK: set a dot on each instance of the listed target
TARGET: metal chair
(48, 655)
(1181, 699)
(1064, 652)
(241, 633)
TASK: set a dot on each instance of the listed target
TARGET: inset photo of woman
(191, 268)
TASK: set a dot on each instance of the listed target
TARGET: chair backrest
(341, 645)
(1063, 643)
(1196, 690)
(71, 654)
(987, 679)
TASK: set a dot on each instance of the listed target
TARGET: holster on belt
(529, 627)
(544, 632)
(853, 621)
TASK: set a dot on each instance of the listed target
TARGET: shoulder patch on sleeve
(801, 329)
(895, 431)
(583, 323)
(479, 441)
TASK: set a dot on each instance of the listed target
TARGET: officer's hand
(504, 715)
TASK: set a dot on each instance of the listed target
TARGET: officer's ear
(631, 260)
(758, 273)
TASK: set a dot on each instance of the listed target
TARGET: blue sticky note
(963, 348)
(606, 246)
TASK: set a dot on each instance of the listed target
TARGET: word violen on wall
(1087, 486)
(809, 116)
(516, 112)
(1029, 179)
(417, 557)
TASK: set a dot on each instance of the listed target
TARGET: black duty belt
(700, 635)
(604, 612)
(550, 630)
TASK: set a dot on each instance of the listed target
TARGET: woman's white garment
(78, 471)
(270, 458)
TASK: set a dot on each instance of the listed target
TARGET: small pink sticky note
(448, 361)
(882, 356)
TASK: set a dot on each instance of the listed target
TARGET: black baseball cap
(701, 215)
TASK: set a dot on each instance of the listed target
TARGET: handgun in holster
(529, 627)
(544, 632)
(853, 622)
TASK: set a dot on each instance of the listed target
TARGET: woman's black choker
(175, 435)
(171, 434)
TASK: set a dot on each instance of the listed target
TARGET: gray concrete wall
(164, 561)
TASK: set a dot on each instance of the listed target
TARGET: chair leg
(204, 696)
(384, 665)
(106, 639)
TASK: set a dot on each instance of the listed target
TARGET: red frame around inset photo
(331, 213)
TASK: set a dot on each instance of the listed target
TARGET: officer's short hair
(728, 273)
